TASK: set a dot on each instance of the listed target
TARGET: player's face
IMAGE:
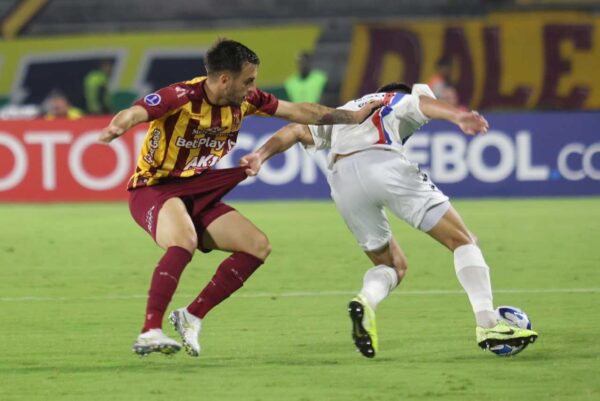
(242, 84)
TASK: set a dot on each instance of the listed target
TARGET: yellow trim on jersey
(226, 119)
(173, 149)
(159, 152)
(196, 80)
(247, 108)
(205, 118)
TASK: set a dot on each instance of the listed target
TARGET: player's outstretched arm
(281, 141)
(122, 121)
(470, 122)
(310, 113)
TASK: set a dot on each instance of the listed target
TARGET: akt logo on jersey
(152, 99)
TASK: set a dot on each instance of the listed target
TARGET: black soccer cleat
(364, 332)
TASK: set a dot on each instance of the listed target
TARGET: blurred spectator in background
(307, 84)
(441, 78)
(449, 95)
(95, 84)
(58, 106)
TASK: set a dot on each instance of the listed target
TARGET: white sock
(378, 282)
(474, 276)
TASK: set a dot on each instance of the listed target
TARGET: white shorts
(364, 183)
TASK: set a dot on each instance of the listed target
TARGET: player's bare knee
(267, 250)
(186, 239)
(261, 247)
(190, 243)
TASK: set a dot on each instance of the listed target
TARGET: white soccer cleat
(188, 326)
(155, 341)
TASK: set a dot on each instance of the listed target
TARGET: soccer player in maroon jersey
(175, 195)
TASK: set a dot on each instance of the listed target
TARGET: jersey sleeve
(262, 103)
(321, 136)
(408, 110)
(159, 103)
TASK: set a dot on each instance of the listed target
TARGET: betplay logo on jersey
(198, 143)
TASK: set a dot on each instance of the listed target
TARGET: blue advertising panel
(523, 154)
(292, 175)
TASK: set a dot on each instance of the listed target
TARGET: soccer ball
(514, 317)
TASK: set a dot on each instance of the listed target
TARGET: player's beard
(237, 102)
(235, 99)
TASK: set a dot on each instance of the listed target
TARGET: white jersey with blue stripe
(389, 127)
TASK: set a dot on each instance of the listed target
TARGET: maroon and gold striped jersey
(187, 134)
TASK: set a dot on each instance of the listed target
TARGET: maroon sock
(163, 285)
(229, 277)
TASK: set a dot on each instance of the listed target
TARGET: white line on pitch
(300, 294)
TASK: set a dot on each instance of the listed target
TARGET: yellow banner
(278, 56)
(502, 61)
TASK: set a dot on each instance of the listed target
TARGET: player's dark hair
(394, 87)
(229, 55)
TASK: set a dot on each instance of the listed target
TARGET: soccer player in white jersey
(369, 171)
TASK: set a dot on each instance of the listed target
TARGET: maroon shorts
(201, 195)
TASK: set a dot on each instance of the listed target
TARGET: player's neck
(212, 94)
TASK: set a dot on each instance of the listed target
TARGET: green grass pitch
(73, 280)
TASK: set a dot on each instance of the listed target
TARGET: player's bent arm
(470, 122)
(281, 141)
(284, 139)
(310, 113)
(123, 121)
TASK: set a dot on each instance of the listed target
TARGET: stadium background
(510, 59)
(531, 66)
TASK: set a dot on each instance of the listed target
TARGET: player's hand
(109, 133)
(471, 123)
(365, 111)
(252, 163)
